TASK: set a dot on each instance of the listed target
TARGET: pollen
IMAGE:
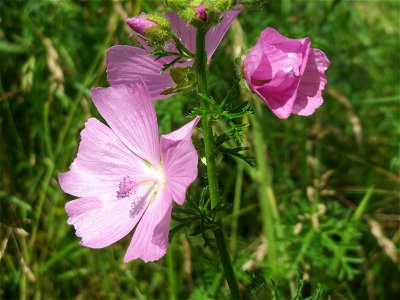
(127, 187)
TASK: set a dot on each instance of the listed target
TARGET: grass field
(334, 176)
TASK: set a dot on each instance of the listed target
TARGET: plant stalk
(268, 206)
(201, 64)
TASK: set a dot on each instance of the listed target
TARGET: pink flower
(287, 74)
(126, 64)
(140, 24)
(124, 176)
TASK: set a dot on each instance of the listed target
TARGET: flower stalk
(267, 203)
(201, 63)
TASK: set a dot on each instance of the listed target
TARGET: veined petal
(185, 132)
(280, 93)
(257, 68)
(126, 64)
(215, 35)
(295, 50)
(312, 83)
(179, 160)
(130, 113)
(101, 161)
(187, 32)
(150, 240)
(102, 220)
(183, 30)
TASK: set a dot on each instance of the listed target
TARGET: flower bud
(140, 24)
(201, 12)
(153, 28)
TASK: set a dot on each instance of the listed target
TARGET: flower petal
(183, 30)
(280, 93)
(130, 113)
(256, 67)
(187, 32)
(101, 162)
(102, 220)
(215, 35)
(312, 83)
(150, 240)
(295, 50)
(179, 160)
(185, 132)
(126, 64)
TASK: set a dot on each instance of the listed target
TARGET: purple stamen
(127, 187)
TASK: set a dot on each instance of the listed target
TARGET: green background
(339, 167)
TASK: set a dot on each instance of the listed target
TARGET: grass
(334, 176)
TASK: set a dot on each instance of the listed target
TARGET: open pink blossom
(125, 177)
(125, 64)
(287, 74)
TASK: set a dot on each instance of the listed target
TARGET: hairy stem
(201, 64)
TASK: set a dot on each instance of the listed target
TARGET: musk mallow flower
(125, 176)
(287, 74)
(126, 64)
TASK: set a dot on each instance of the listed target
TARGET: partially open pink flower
(140, 24)
(287, 74)
(125, 176)
(126, 64)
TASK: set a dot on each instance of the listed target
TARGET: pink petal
(273, 68)
(185, 132)
(183, 30)
(312, 83)
(150, 240)
(215, 35)
(256, 67)
(280, 94)
(187, 33)
(101, 163)
(101, 221)
(296, 50)
(140, 23)
(126, 64)
(130, 113)
(179, 160)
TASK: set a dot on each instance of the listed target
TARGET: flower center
(128, 187)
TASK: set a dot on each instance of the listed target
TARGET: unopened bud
(140, 24)
(154, 28)
(201, 12)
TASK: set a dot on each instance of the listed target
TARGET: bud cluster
(200, 13)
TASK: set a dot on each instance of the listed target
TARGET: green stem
(236, 206)
(201, 63)
(171, 273)
(226, 262)
(267, 202)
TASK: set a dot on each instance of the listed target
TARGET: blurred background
(334, 176)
